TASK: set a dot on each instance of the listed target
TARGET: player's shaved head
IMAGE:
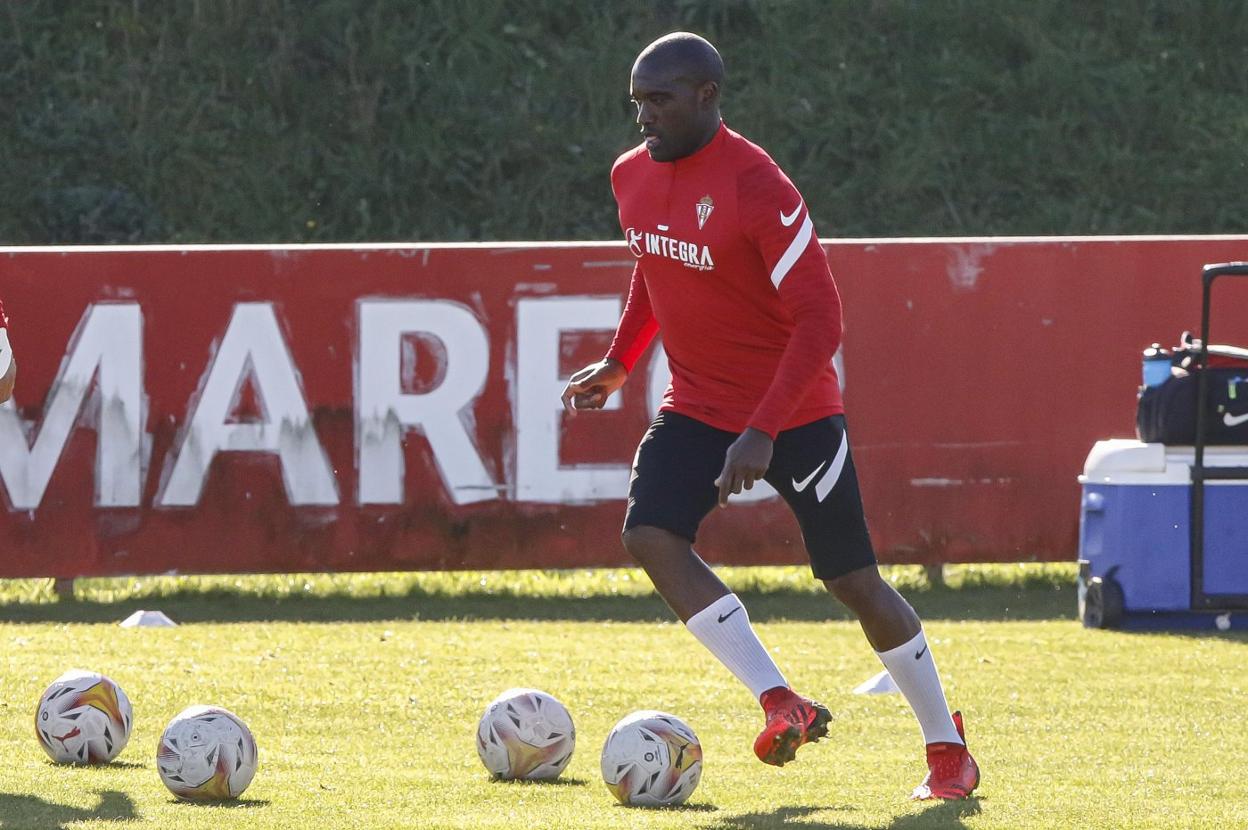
(675, 85)
(684, 56)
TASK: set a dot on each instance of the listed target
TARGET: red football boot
(792, 720)
(951, 771)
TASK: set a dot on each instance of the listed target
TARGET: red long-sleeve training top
(730, 270)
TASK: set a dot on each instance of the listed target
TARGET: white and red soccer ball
(206, 753)
(525, 733)
(651, 759)
(83, 718)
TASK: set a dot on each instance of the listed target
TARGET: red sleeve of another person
(4, 321)
(637, 325)
(774, 216)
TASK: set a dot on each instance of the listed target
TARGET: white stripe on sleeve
(794, 251)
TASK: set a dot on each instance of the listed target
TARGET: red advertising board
(379, 407)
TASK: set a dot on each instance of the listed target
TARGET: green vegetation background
(433, 120)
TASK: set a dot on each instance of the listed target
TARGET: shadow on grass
(91, 768)
(541, 782)
(979, 602)
(696, 807)
(232, 804)
(939, 815)
(31, 811)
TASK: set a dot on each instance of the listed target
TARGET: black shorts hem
(826, 568)
(634, 519)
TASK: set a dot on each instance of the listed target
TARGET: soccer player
(8, 368)
(730, 270)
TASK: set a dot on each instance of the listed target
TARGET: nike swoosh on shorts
(799, 486)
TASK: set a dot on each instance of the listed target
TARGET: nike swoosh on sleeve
(793, 252)
(792, 217)
(1234, 420)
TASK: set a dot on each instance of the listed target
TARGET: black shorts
(672, 486)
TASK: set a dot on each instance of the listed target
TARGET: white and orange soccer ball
(83, 718)
(652, 759)
(206, 753)
(525, 733)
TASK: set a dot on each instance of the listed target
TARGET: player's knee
(646, 544)
(856, 590)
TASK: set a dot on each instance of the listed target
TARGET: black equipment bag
(1166, 413)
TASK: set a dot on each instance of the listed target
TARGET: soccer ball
(206, 753)
(652, 759)
(527, 734)
(83, 718)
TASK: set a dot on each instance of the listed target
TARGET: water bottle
(1156, 365)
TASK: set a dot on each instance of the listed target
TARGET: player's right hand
(590, 387)
(8, 367)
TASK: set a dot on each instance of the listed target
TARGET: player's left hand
(745, 462)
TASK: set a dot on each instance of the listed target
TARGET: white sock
(914, 671)
(724, 628)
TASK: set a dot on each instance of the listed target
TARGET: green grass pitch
(364, 691)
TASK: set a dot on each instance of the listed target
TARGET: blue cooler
(1136, 568)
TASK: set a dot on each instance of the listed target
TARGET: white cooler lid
(1127, 461)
